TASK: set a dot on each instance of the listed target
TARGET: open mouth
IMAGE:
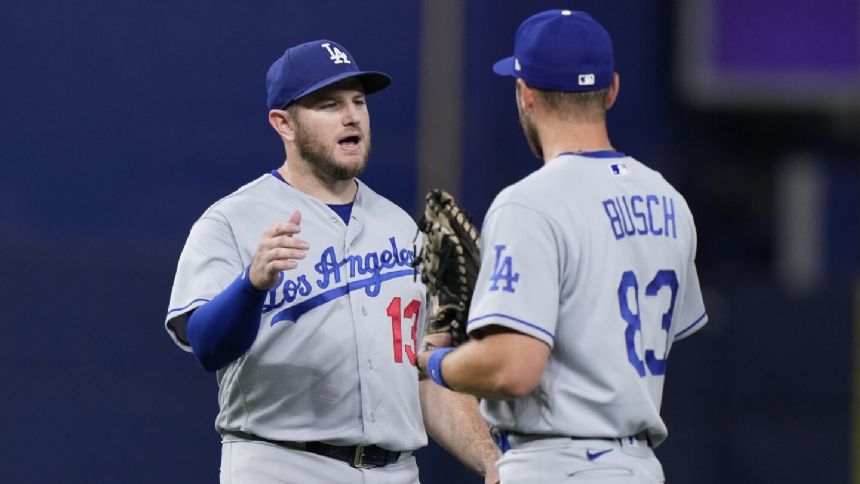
(350, 142)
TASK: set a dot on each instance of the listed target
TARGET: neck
(326, 190)
(574, 137)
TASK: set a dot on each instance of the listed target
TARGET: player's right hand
(278, 251)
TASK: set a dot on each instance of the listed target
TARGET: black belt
(358, 456)
(502, 437)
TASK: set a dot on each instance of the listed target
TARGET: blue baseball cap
(314, 65)
(560, 50)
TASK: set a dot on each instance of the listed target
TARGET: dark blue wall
(122, 121)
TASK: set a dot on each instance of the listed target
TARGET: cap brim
(504, 67)
(372, 81)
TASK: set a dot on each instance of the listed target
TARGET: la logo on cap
(337, 55)
(517, 65)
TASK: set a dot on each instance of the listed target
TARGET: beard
(529, 129)
(321, 157)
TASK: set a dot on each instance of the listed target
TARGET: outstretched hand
(278, 251)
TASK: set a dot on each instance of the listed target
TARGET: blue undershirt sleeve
(224, 328)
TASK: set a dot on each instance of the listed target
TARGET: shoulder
(377, 206)
(640, 170)
(528, 193)
(263, 190)
(679, 204)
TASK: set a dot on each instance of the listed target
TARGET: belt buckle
(358, 459)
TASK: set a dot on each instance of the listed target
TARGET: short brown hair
(587, 106)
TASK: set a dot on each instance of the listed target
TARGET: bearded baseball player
(587, 278)
(298, 290)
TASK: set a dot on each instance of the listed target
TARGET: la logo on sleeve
(503, 272)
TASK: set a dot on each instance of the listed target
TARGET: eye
(359, 102)
(328, 105)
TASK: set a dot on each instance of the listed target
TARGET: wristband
(434, 366)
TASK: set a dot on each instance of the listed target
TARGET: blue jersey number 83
(664, 278)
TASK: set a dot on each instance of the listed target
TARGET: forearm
(503, 365)
(224, 328)
(471, 370)
(454, 422)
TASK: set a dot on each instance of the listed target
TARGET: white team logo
(586, 79)
(517, 65)
(337, 55)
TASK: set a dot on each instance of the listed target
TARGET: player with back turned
(587, 278)
(299, 290)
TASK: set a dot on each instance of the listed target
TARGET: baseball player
(299, 290)
(587, 278)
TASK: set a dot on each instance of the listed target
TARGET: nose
(351, 115)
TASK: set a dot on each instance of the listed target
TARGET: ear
(526, 97)
(283, 123)
(613, 90)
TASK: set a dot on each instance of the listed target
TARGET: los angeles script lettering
(332, 271)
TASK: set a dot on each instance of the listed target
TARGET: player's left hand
(432, 341)
(448, 262)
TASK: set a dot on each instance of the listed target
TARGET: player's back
(624, 242)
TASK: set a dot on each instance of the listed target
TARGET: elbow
(209, 366)
(209, 353)
(213, 357)
(209, 361)
(512, 385)
(514, 390)
(203, 351)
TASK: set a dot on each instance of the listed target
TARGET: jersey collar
(277, 174)
(596, 154)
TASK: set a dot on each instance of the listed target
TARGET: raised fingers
(278, 251)
(286, 253)
(277, 265)
(280, 259)
(288, 242)
(291, 227)
(283, 228)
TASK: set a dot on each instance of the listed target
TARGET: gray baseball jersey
(594, 257)
(334, 357)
